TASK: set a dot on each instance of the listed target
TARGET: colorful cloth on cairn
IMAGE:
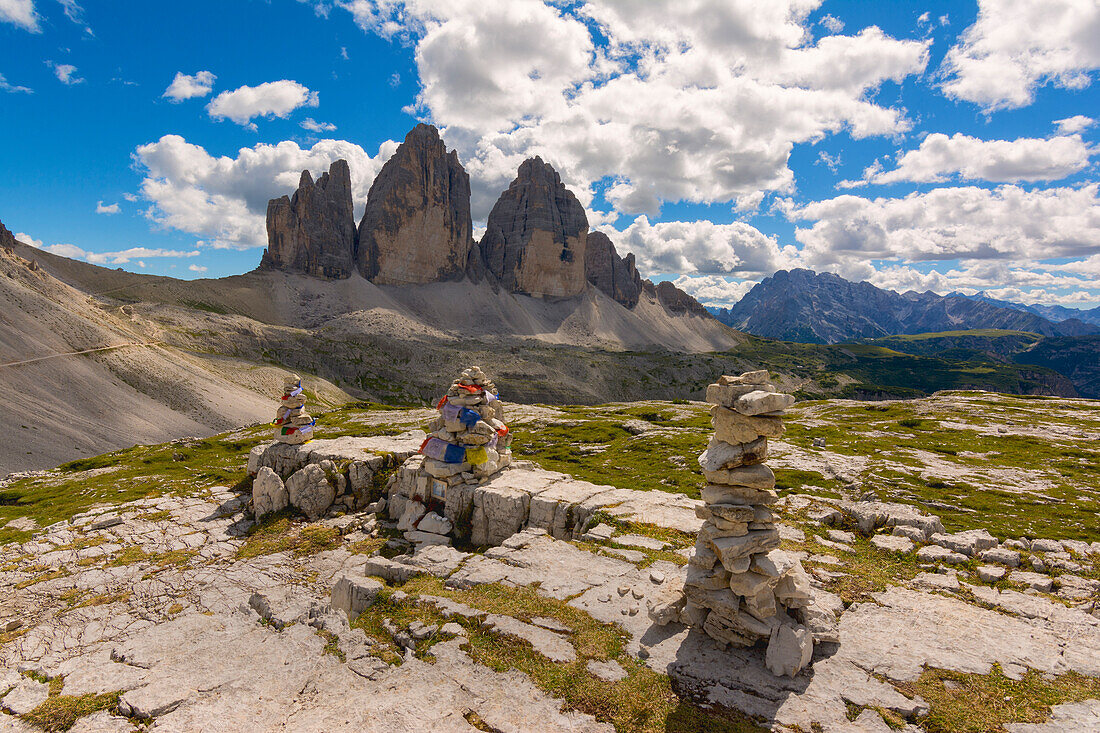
(441, 450)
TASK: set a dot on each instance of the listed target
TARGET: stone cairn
(292, 423)
(467, 442)
(740, 587)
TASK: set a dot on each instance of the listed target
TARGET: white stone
(790, 649)
(1002, 556)
(432, 522)
(892, 543)
(551, 645)
(25, 696)
(761, 402)
(969, 543)
(1035, 581)
(1047, 546)
(309, 489)
(269, 494)
(935, 553)
(599, 533)
(354, 594)
(991, 573)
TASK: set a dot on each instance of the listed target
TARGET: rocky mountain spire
(313, 232)
(417, 227)
(616, 276)
(536, 234)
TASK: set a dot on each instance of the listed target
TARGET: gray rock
(1041, 545)
(390, 570)
(102, 722)
(309, 490)
(761, 402)
(991, 573)
(914, 533)
(937, 581)
(892, 543)
(551, 645)
(719, 455)
(732, 427)
(870, 515)
(1035, 581)
(25, 696)
(314, 231)
(1001, 556)
(599, 533)
(269, 494)
(935, 553)
(970, 543)
(757, 476)
(790, 649)
(616, 276)
(354, 594)
(416, 227)
(1070, 716)
(536, 235)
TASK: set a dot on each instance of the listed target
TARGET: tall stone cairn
(740, 587)
(469, 434)
(292, 423)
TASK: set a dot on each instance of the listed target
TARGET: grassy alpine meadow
(1018, 466)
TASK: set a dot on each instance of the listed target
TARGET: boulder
(309, 489)
(969, 543)
(269, 494)
(1001, 556)
(870, 515)
(536, 234)
(353, 594)
(935, 553)
(416, 227)
(721, 494)
(892, 543)
(790, 649)
(313, 231)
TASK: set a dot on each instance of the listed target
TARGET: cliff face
(616, 276)
(536, 234)
(416, 227)
(7, 239)
(314, 231)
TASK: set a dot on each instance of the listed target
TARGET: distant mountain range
(1055, 313)
(823, 308)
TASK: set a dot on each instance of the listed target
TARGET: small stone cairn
(292, 423)
(740, 587)
(467, 443)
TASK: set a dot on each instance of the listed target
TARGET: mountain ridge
(810, 307)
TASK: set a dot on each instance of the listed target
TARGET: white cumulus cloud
(20, 13)
(270, 99)
(197, 268)
(714, 289)
(189, 86)
(701, 248)
(939, 158)
(678, 101)
(225, 199)
(1016, 46)
(968, 223)
(100, 208)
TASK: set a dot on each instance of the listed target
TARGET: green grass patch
(975, 703)
(284, 531)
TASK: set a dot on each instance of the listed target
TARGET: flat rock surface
(185, 645)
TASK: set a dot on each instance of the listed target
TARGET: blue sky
(914, 145)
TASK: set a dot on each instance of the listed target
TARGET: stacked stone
(740, 587)
(292, 423)
(467, 443)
